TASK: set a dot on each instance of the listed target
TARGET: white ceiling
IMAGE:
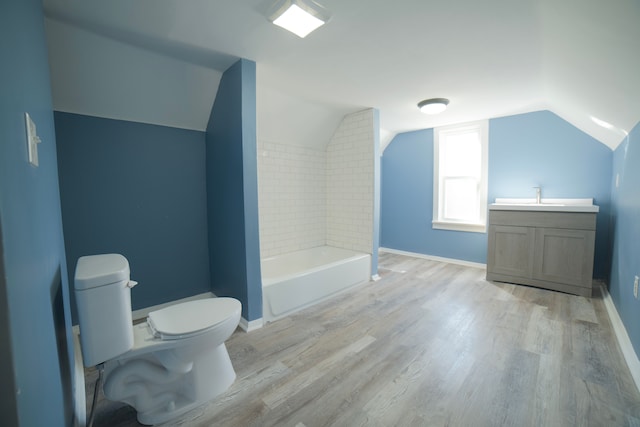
(160, 61)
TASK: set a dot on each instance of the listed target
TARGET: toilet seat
(191, 318)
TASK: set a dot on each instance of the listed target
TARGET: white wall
(292, 198)
(310, 197)
(350, 172)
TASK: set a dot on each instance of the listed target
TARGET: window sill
(459, 226)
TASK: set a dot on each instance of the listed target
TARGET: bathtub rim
(355, 255)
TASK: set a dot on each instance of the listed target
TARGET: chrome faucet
(538, 195)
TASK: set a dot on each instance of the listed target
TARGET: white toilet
(164, 367)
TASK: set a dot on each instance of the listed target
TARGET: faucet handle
(538, 194)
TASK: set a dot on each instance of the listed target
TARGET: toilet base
(160, 395)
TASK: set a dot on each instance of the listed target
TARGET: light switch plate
(32, 139)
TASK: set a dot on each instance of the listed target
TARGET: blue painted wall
(407, 203)
(626, 234)
(232, 190)
(37, 356)
(524, 150)
(138, 190)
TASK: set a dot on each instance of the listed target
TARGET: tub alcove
(317, 213)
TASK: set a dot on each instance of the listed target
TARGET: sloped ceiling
(160, 61)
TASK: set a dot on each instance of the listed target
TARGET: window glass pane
(461, 199)
(459, 194)
(462, 154)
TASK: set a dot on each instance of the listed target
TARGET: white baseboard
(252, 325)
(80, 404)
(434, 258)
(624, 341)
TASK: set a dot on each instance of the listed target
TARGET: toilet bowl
(173, 362)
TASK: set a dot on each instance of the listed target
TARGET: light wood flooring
(431, 344)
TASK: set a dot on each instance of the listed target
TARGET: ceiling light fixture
(299, 16)
(433, 105)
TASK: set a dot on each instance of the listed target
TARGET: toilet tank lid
(99, 270)
(192, 316)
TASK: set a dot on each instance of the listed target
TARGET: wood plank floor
(431, 344)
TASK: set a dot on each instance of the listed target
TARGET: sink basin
(551, 205)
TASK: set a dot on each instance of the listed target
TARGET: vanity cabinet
(551, 250)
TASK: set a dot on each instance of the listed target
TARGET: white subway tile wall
(350, 169)
(309, 197)
(291, 198)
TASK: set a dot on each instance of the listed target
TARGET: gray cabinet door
(564, 256)
(510, 250)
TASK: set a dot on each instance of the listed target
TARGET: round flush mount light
(433, 105)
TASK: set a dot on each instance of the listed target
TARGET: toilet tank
(103, 299)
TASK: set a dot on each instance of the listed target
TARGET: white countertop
(546, 205)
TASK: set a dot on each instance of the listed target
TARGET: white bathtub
(297, 280)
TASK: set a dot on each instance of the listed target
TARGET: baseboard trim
(252, 325)
(435, 258)
(80, 403)
(624, 341)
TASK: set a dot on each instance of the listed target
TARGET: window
(460, 177)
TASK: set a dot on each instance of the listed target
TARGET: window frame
(438, 222)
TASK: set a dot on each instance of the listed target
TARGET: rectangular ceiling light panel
(298, 17)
